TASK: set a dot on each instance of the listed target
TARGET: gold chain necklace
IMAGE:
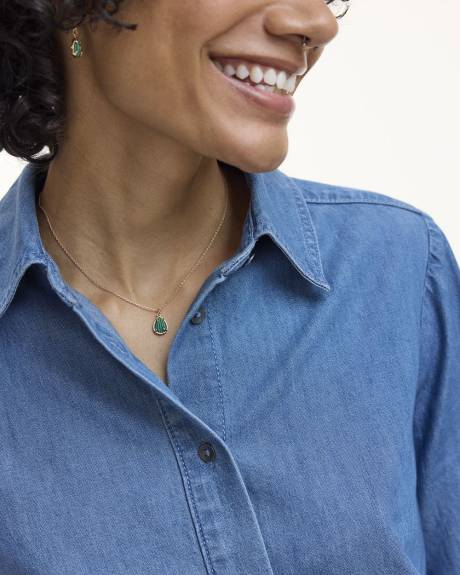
(159, 325)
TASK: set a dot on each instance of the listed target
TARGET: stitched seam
(219, 378)
(422, 307)
(273, 233)
(179, 450)
(311, 235)
(49, 265)
(310, 242)
(15, 276)
(306, 187)
(375, 202)
(14, 280)
(224, 271)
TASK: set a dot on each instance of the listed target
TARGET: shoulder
(370, 216)
(376, 234)
(330, 194)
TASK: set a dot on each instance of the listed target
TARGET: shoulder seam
(375, 202)
(382, 200)
(426, 220)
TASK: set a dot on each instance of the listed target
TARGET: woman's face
(162, 77)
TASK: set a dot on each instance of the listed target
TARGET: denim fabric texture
(311, 421)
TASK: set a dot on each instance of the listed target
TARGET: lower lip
(284, 106)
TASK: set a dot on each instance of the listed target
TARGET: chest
(320, 448)
(310, 418)
(134, 325)
(153, 350)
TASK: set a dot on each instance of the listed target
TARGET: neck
(138, 229)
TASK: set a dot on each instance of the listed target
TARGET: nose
(298, 18)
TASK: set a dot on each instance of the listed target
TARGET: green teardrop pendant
(160, 326)
(76, 49)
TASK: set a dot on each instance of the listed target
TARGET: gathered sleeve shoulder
(437, 407)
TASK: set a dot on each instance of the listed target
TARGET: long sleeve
(437, 408)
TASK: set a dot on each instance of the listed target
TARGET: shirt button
(207, 452)
(199, 316)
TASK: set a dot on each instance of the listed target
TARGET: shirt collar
(278, 208)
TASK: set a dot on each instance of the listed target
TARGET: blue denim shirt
(311, 421)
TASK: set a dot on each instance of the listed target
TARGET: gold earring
(75, 47)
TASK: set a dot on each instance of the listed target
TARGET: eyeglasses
(338, 7)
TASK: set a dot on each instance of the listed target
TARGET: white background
(379, 111)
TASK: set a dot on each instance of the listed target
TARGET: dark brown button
(199, 316)
(207, 452)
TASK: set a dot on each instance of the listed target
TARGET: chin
(256, 159)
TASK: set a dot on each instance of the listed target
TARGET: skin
(136, 186)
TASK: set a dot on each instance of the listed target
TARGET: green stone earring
(76, 48)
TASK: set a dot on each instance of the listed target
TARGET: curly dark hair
(32, 99)
(32, 113)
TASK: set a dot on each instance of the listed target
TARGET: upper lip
(278, 63)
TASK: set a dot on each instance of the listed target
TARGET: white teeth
(242, 72)
(265, 88)
(229, 70)
(271, 78)
(256, 74)
(290, 84)
(281, 80)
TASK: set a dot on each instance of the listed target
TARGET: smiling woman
(209, 367)
(32, 112)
